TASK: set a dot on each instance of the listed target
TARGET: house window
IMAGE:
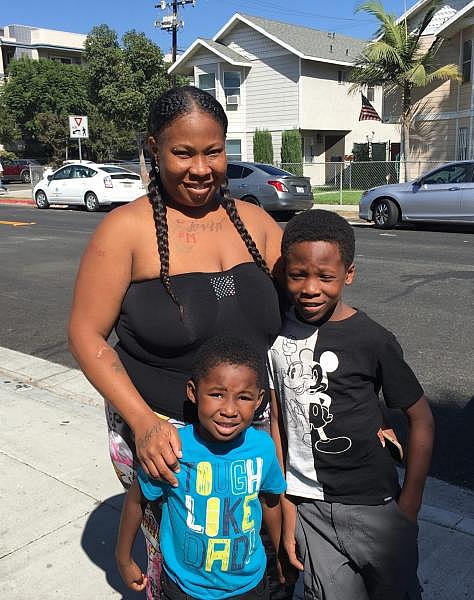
(466, 61)
(207, 82)
(462, 143)
(341, 76)
(233, 149)
(370, 93)
(62, 59)
(232, 83)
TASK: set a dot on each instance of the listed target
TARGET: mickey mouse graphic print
(327, 379)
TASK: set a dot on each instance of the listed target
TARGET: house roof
(234, 58)
(455, 22)
(312, 44)
(447, 14)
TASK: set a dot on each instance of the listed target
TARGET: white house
(278, 76)
(35, 43)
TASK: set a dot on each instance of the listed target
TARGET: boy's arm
(288, 509)
(420, 445)
(271, 513)
(130, 521)
(277, 429)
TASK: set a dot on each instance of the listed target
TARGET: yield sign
(78, 127)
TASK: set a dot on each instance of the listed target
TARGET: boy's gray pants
(357, 552)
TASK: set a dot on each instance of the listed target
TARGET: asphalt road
(416, 282)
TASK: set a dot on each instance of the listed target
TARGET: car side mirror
(418, 182)
(49, 177)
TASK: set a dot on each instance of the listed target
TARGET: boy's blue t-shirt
(210, 526)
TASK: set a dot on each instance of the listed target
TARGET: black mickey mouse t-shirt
(327, 379)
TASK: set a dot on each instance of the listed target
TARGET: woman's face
(190, 153)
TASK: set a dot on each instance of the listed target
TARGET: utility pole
(172, 23)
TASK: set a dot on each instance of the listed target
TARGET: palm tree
(397, 60)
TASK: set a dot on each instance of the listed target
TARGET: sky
(204, 20)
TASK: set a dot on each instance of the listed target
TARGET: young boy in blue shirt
(346, 523)
(210, 525)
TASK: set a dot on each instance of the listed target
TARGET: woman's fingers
(159, 451)
(159, 469)
(175, 443)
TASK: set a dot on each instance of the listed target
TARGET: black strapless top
(157, 347)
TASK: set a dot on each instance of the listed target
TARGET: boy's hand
(289, 544)
(132, 575)
(408, 507)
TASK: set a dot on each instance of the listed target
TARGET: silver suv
(272, 188)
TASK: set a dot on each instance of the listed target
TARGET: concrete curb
(21, 201)
(72, 384)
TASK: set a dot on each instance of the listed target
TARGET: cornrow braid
(229, 204)
(155, 196)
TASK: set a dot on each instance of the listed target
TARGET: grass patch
(324, 196)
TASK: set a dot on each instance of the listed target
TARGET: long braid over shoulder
(175, 103)
(229, 204)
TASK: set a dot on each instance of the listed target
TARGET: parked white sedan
(88, 184)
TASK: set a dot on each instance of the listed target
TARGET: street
(416, 282)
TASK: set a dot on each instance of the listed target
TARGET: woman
(170, 270)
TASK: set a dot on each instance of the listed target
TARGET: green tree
(399, 61)
(291, 153)
(9, 130)
(125, 80)
(34, 93)
(262, 146)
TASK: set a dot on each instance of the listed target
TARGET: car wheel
(251, 200)
(91, 202)
(41, 199)
(25, 177)
(386, 214)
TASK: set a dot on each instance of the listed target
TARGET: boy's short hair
(228, 350)
(320, 226)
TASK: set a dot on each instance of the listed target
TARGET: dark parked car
(443, 195)
(17, 169)
(272, 188)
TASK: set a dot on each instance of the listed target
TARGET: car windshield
(114, 170)
(273, 170)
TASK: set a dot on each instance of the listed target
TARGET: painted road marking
(16, 223)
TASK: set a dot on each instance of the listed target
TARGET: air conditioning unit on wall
(232, 100)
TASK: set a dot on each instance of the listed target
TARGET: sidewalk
(16, 197)
(60, 500)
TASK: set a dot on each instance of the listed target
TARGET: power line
(292, 12)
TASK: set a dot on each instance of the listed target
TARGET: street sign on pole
(78, 127)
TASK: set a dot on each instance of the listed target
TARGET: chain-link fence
(36, 174)
(344, 182)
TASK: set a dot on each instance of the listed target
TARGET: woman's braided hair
(175, 103)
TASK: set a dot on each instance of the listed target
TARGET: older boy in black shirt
(346, 523)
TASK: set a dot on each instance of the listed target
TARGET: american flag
(368, 112)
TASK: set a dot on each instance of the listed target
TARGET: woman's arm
(104, 276)
(420, 446)
(130, 521)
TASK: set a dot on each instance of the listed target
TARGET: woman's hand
(158, 448)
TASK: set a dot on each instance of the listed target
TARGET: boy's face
(226, 400)
(315, 278)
